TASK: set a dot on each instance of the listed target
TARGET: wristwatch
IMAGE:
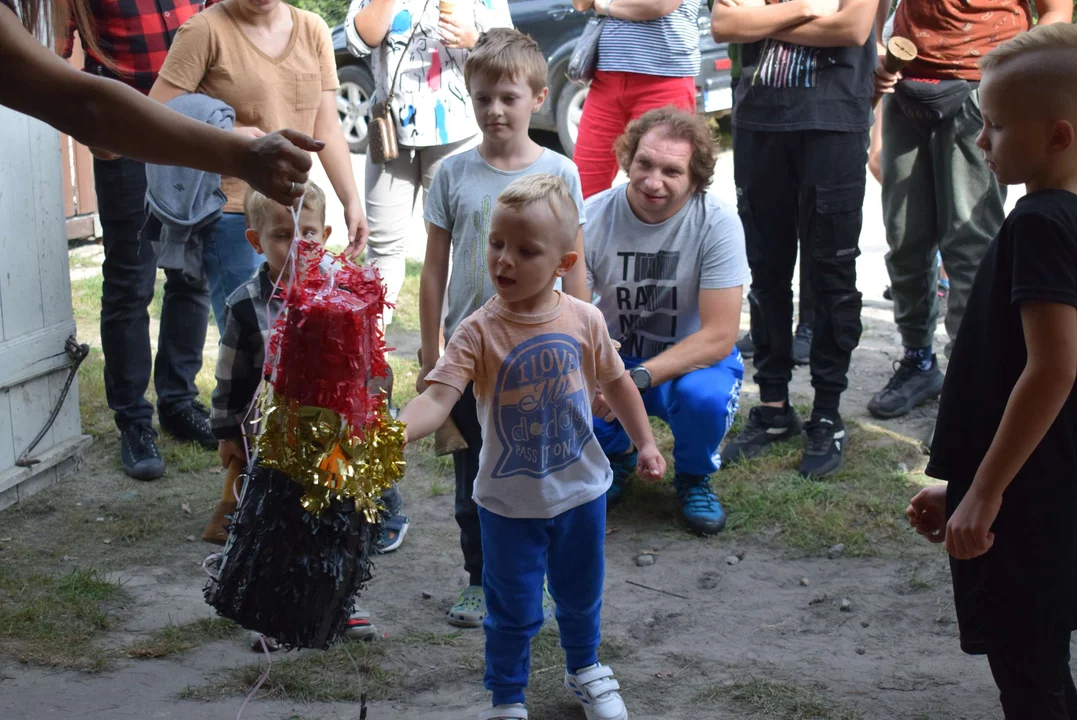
(641, 376)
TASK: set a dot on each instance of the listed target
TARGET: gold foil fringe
(327, 457)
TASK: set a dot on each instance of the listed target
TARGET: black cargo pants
(808, 185)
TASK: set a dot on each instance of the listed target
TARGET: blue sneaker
(699, 504)
(623, 464)
(393, 530)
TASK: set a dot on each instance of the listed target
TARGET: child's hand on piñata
(927, 513)
(231, 450)
(651, 466)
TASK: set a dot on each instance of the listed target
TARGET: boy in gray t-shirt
(506, 78)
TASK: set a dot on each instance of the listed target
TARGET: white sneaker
(516, 711)
(596, 689)
(359, 626)
(257, 640)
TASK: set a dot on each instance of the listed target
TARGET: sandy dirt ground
(772, 620)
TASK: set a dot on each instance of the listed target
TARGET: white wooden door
(35, 311)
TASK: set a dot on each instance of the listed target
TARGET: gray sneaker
(360, 627)
(908, 387)
(802, 345)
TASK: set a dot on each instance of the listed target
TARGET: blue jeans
(699, 408)
(228, 260)
(518, 555)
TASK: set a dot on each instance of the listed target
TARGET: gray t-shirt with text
(648, 277)
(461, 200)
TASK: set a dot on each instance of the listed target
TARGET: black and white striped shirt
(668, 46)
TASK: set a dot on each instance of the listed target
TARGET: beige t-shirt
(535, 377)
(211, 55)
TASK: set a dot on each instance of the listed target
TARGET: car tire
(569, 111)
(353, 104)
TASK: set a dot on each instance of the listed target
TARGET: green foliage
(332, 11)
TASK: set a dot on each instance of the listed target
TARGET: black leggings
(1034, 681)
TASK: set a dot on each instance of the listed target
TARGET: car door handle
(558, 12)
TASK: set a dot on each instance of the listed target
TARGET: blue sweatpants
(517, 555)
(699, 408)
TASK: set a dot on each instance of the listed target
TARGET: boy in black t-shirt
(801, 118)
(1006, 440)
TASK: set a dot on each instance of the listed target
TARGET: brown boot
(216, 531)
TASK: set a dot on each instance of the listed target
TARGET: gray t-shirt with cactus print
(461, 200)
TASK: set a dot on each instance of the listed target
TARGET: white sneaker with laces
(597, 690)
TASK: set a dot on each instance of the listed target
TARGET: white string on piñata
(249, 457)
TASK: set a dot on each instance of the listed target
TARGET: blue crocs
(623, 464)
(699, 504)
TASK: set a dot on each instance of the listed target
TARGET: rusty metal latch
(77, 353)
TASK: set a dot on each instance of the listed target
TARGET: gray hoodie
(183, 204)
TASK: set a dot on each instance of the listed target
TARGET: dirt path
(765, 637)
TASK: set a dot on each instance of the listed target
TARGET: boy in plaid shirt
(241, 355)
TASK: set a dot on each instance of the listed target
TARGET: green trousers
(938, 196)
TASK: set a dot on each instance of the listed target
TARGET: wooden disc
(902, 49)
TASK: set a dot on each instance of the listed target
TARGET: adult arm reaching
(336, 159)
(107, 114)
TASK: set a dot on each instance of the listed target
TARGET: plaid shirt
(135, 35)
(241, 356)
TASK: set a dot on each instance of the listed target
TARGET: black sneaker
(825, 449)
(765, 426)
(909, 387)
(138, 452)
(191, 424)
(746, 346)
(802, 344)
(887, 293)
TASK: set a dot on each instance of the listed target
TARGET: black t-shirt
(786, 87)
(1027, 583)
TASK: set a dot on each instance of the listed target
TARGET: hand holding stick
(899, 53)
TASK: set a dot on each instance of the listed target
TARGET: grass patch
(52, 621)
(406, 313)
(436, 639)
(776, 699)
(86, 302)
(382, 670)
(861, 506)
(341, 674)
(175, 639)
(438, 488)
(125, 525)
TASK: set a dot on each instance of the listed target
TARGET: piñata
(299, 546)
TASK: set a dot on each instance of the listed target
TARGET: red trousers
(616, 99)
